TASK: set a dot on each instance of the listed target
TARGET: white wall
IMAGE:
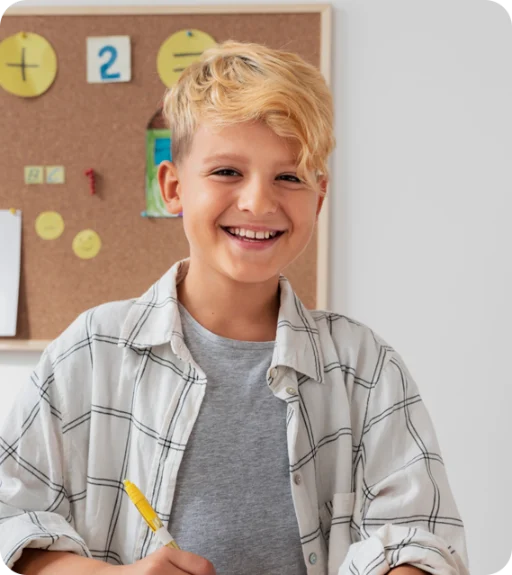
(420, 243)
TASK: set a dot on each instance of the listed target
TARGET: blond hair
(237, 82)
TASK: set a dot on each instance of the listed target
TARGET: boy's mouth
(248, 237)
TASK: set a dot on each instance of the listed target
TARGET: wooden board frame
(325, 12)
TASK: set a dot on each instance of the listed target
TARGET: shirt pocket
(335, 517)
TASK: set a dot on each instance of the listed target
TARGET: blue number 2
(104, 67)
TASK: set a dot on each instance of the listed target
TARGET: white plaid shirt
(116, 396)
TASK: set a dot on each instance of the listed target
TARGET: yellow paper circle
(179, 51)
(28, 64)
(49, 225)
(87, 244)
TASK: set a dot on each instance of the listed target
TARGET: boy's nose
(258, 197)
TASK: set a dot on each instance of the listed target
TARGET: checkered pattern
(117, 394)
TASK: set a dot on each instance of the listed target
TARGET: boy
(269, 439)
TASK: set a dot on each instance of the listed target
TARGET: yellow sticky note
(49, 225)
(179, 51)
(55, 174)
(86, 244)
(28, 64)
(34, 174)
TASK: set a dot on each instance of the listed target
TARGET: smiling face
(243, 177)
(86, 244)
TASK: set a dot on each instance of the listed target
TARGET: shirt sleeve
(404, 510)
(34, 506)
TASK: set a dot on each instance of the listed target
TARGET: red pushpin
(92, 181)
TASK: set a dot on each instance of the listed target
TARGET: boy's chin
(249, 273)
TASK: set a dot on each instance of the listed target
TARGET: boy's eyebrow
(240, 158)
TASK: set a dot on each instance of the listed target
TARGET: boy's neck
(245, 312)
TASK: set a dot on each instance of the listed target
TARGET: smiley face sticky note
(179, 51)
(87, 244)
(28, 64)
(49, 225)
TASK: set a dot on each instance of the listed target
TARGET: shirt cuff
(394, 545)
(38, 530)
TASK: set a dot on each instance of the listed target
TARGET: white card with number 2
(109, 59)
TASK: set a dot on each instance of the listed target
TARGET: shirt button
(297, 479)
(291, 391)
(312, 558)
(273, 372)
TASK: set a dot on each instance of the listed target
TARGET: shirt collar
(154, 319)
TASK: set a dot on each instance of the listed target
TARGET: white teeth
(260, 235)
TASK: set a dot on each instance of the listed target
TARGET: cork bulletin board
(81, 125)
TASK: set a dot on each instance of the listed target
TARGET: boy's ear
(170, 187)
(321, 196)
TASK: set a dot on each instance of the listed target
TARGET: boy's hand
(165, 561)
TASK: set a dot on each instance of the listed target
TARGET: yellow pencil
(149, 514)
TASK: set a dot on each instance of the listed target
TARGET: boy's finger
(189, 562)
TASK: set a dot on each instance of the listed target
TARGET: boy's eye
(291, 178)
(225, 172)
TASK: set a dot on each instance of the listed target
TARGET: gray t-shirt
(233, 502)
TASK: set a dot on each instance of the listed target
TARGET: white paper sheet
(10, 262)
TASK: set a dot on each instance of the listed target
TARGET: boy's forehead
(240, 143)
